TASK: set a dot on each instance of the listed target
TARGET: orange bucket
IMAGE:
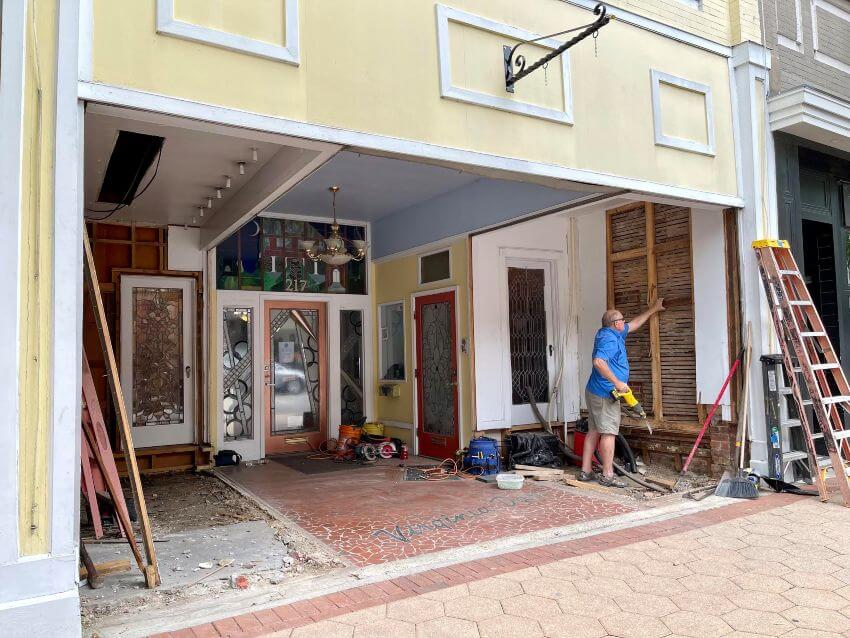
(349, 434)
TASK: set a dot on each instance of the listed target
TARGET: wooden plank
(590, 485)
(625, 255)
(535, 468)
(538, 472)
(152, 577)
(609, 249)
(109, 567)
(654, 325)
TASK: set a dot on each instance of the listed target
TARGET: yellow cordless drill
(633, 406)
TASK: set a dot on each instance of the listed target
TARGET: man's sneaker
(610, 481)
(586, 477)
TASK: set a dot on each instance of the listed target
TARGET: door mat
(300, 463)
(417, 473)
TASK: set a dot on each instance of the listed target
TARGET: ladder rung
(817, 435)
(826, 366)
(790, 457)
(791, 423)
(832, 400)
(784, 273)
(800, 302)
(824, 461)
(812, 334)
(840, 435)
(806, 402)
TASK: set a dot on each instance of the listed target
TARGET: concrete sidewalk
(778, 566)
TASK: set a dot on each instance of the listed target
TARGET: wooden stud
(654, 320)
(609, 249)
(152, 577)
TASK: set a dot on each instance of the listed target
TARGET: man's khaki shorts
(604, 413)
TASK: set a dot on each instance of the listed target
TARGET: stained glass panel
(295, 376)
(351, 365)
(157, 356)
(438, 376)
(265, 254)
(237, 373)
(528, 339)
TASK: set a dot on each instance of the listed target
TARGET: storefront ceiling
(372, 188)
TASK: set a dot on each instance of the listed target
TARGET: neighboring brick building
(809, 115)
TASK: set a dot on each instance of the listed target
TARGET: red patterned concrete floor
(371, 516)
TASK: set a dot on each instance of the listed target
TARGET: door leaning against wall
(436, 375)
(158, 358)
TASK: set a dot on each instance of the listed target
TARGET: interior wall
(546, 237)
(396, 280)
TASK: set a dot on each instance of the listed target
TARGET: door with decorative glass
(530, 336)
(436, 375)
(296, 376)
(158, 358)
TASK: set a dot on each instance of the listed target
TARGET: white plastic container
(508, 481)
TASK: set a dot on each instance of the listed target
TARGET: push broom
(708, 418)
(740, 486)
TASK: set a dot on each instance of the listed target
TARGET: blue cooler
(482, 456)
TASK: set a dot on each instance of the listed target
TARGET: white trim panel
(12, 45)
(449, 91)
(132, 98)
(819, 55)
(657, 77)
(168, 24)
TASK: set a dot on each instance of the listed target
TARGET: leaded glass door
(296, 376)
(530, 332)
(158, 358)
(436, 375)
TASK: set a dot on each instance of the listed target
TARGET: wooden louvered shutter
(649, 256)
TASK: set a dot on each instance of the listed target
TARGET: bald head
(611, 317)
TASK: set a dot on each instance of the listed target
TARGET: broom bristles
(736, 487)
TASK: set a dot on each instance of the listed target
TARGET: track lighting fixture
(218, 193)
(209, 202)
(253, 153)
(201, 211)
(241, 168)
(227, 182)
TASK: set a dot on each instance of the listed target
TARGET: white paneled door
(158, 358)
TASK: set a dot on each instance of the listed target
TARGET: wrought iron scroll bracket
(518, 61)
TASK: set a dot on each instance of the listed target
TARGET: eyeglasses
(618, 319)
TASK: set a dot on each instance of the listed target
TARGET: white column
(750, 64)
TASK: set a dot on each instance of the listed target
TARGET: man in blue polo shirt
(610, 371)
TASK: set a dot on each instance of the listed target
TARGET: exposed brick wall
(792, 69)
(723, 452)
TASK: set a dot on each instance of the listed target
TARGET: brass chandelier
(334, 250)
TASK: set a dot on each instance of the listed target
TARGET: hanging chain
(595, 41)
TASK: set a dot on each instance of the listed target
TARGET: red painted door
(436, 375)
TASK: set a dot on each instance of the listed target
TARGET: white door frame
(548, 261)
(172, 434)
(460, 432)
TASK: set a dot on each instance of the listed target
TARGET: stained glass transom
(528, 338)
(237, 373)
(158, 360)
(265, 254)
(438, 375)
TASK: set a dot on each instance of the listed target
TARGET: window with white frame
(435, 267)
(391, 341)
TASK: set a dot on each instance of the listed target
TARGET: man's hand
(658, 306)
(621, 387)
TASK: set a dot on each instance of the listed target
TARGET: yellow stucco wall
(36, 276)
(372, 66)
(397, 280)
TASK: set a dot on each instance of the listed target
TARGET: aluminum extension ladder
(807, 352)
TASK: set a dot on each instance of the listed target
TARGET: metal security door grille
(438, 374)
(528, 334)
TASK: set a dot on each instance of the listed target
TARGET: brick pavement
(374, 517)
(778, 566)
